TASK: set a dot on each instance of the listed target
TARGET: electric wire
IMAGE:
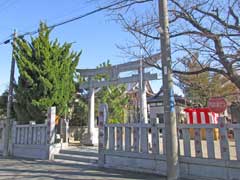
(65, 22)
(63, 17)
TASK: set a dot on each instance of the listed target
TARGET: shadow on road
(40, 169)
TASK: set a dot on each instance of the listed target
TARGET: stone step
(76, 158)
(81, 152)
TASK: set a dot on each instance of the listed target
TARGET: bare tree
(208, 27)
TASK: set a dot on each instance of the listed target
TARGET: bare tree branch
(208, 27)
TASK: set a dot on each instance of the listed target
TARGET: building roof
(159, 98)
(134, 88)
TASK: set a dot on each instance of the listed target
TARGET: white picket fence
(141, 147)
(34, 134)
(135, 137)
(225, 146)
(150, 139)
(30, 140)
(33, 140)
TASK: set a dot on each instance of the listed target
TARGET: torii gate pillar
(142, 94)
(143, 104)
(92, 135)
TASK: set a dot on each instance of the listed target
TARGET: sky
(96, 35)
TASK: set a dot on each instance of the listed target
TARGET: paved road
(46, 170)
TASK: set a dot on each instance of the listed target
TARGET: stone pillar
(51, 124)
(102, 139)
(224, 146)
(51, 115)
(7, 130)
(13, 139)
(91, 117)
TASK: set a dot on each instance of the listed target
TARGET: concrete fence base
(34, 140)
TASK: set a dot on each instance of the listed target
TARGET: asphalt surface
(49, 170)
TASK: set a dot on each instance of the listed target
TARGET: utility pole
(168, 95)
(7, 127)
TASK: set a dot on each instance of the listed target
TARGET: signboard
(217, 104)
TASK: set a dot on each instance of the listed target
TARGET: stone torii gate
(113, 72)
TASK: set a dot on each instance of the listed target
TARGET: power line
(65, 22)
(64, 15)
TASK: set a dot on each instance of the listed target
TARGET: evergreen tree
(79, 116)
(114, 96)
(79, 105)
(46, 77)
(117, 100)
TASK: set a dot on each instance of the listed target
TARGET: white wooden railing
(208, 151)
(30, 133)
(213, 141)
(35, 140)
(135, 137)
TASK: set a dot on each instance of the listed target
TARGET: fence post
(119, 138)
(224, 146)
(237, 141)
(144, 138)
(128, 138)
(186, 142)
(6, 137)
(136, 139)
(198, 142)
(210, 143)
(155, 136)
(1, 135)
(30, 132)
(103, 113)
(13, 137)
(51, 115)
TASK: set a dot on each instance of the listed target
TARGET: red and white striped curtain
(201, 116)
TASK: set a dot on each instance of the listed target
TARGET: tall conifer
(46, 77)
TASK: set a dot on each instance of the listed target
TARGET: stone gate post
(103, 113)
(51, 115)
